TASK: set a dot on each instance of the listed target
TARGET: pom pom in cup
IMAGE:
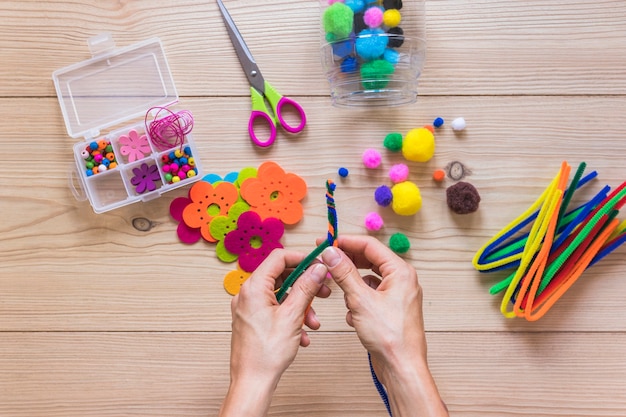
(371, 60)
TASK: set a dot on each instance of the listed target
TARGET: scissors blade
(243, 53)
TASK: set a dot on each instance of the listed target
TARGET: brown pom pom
(462, 198)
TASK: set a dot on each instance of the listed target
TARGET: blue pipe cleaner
(379, 386)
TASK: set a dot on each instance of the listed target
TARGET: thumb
(305, 289)
(343, 271)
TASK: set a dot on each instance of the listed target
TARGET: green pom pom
(393, 142)
(399, 243)
(375, 74)
(337, 20)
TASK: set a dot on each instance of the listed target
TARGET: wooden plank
(103, 274)
(474, 47)
(186, 374)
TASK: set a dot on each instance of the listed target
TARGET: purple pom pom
(383, 196)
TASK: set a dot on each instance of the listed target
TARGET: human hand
(265, 334)
(385, 309)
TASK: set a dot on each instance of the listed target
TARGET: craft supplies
(398, 173)
(383, 196)
(107, 91)
(393, 142)
(560, 245)
(458, 124)
(343, 172)
(407, 199)
(462, 198)
(372, 53)
(168, 129)
(419, 145)
(261, 91)
(371, 158)
(438, 122)
(399, 243)
(373, 221)
(439, 175)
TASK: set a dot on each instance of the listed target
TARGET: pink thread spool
(168, 131)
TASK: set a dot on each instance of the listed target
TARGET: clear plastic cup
(371, 64)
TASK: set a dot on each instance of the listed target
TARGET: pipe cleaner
(330, 241)
(559, 247)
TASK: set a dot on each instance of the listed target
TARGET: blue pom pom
(438, 122)
(343, 49)
(370, 44)
(343, 172)
(356, 5)
(392, 56)
(349, 64)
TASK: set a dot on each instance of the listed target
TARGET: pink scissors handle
(284, 101)
(259, 114)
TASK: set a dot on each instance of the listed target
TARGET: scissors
(261, 90)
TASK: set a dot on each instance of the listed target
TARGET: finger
(305, 340)
(343, 271)
(369, 252)
(272, 267)
(324, 291)
(305, 289)
(311, 320)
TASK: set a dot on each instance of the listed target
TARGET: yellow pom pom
(407, 199)
(419, 145)
(392, 18)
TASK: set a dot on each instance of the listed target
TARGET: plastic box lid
(115, 85)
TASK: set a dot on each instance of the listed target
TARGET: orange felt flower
(275, 193)
(207, 202)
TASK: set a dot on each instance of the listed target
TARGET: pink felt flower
(134, 146)
(254, 239)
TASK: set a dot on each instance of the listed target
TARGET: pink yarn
(371, 158)
(168, 131)
(373, 221)
(399, 173)
(373, 17)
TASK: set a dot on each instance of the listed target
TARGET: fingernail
(318, 273)
(331, 256)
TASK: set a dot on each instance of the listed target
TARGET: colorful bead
(84, 154)
(93, 146)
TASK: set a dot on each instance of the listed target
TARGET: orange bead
(102, 144)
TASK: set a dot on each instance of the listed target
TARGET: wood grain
(98, 318)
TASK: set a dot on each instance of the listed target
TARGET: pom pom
(392, 4)
(391, 18)
(393, 142)
(458, 124)
(371, 44)
(356, 5)
(392, 56)
(383, 196)
(349, 64)
(439, 175)
(462, 198)
(438, 122)
(407, 199)
(373, 221)
(399, 243)
(337, 20)
(418, 145)
(373, 17)
(396, 37)
(375, 74)
(399, 173)
(343, 172)
(371, 158)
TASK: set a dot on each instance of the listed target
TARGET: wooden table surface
(98, 318)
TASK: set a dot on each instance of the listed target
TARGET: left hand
(265, 334)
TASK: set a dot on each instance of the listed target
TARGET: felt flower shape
(275, 193)
(254, 239)
(234, 280)
(207, 202)
(222, 225)
(134, 146)
(185, 233)
(145, 178)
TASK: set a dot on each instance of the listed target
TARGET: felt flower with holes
(134, 146)
(146, 177)
(234, 280)
(185, 233)
(275, 193)
(207, 202)
(222, 225)
(254, 239)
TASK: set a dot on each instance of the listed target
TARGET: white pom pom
(458, 124)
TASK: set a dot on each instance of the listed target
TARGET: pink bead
(373, 221)
(371, 158)
(182, 174)
(84, 154)
(399, 173)
(98, 158)
(174, 167)
(185, 168)
(373, 17)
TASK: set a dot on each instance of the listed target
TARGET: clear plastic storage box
(109, 90)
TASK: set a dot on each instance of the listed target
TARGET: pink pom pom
(373, 221)
(399, 173)
(373, 17)
(371, 158)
